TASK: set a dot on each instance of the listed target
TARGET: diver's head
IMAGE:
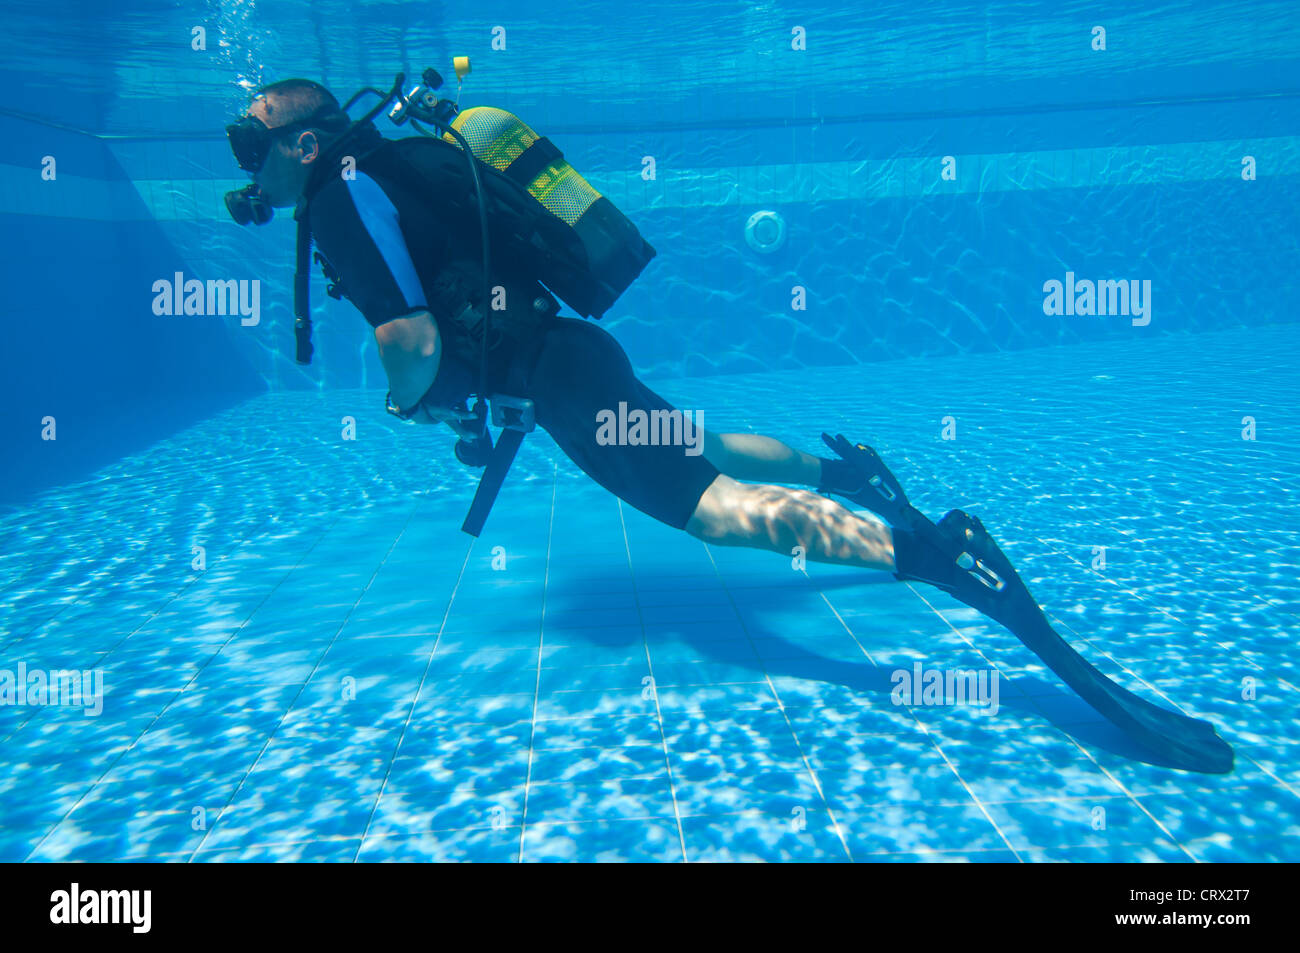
(287, 127)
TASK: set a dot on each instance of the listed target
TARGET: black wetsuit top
(396, 236)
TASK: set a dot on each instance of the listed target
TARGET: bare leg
(778, 518)
(757, 459)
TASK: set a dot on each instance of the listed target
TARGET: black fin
(983, 578)
(878, 489)
(1178, 739)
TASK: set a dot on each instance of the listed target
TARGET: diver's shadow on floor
(864, 677)
(1076, 719)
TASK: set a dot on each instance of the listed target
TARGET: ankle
(838, 475)
(921, 557)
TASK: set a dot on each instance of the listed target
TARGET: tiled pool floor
(349, 677)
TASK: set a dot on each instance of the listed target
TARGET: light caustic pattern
(349, 678)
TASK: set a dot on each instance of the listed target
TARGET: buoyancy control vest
(531, 208)
(428, 175)
(549, 230)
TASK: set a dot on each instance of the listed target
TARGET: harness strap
(507, 446)
(489, 485)
(532, 161)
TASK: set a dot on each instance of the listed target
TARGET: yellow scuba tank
(615, 251)
(501, 139)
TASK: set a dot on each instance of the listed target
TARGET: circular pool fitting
(765, 231)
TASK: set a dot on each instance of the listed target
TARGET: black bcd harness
(461, 309)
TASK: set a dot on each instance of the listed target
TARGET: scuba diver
(455, 245)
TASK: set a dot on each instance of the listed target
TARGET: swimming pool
(304, 658)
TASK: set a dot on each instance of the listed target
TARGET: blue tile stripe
(23, 192)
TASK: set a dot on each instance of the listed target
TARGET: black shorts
(580, 371)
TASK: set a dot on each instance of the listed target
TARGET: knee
(776, 517)
(715, 451)
(739, 513)
(715, 514)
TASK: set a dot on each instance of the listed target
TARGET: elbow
(411, 352)
(413, 338)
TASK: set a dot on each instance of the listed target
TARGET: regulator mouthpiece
(247, 206)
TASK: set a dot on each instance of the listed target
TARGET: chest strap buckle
(513, 413)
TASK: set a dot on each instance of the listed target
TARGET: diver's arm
(358, 230)
(410, 349)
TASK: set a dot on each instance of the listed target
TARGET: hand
(463, 423)
(465, 426)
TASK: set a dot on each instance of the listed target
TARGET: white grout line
(753, 812)
(925, 730)
(659, 717)
(1088, 754)
(541, 644)
(68, 605)
(1139, 598)
(301, 688)
(1281, 782)
(179, 693)
(830, 812)
(446, 614)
